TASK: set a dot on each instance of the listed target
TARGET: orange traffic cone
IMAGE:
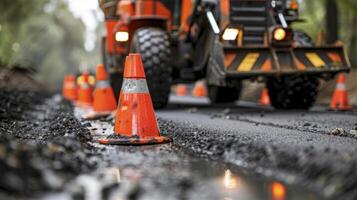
(199, 90)
(340, 96)
(64, 87)
(264, 98)
(70, 87)
(181, 90)
(135, 121)
(85, 96)
(104, 102)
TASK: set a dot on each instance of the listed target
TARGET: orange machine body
(223, 42)
(132, 16)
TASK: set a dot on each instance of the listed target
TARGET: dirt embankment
(42, 145)
(19, 78)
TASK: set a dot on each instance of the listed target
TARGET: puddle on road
(163, 172)
(179, 176)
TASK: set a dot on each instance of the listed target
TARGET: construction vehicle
(223, 42)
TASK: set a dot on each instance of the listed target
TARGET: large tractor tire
(154, 46)
(228, 94)
(293, 92)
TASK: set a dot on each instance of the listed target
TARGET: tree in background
(335, 18)
(331, 21)
(48, 38)
(348, 24)
(13, 14)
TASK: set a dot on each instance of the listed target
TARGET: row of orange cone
(101, 99)
(339, 99)
(135, 120)
(199, 90)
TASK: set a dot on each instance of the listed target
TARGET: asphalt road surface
(316, 149)
(242, 151)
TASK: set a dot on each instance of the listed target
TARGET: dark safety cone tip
(135, 120)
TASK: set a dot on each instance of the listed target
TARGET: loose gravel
(42, 145)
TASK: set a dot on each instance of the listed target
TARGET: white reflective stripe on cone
(341, 86)
(85, 85)
(134, 86)
(70, 85)
(102, 84)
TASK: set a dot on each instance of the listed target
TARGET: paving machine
(223, 42)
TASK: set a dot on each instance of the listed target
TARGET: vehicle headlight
(121, 36)
(279, 34)
(230, 34)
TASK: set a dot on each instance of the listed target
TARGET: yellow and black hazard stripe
(264, 60)
(320, 58)
(249, 62)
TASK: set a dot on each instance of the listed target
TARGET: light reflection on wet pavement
(166, 172)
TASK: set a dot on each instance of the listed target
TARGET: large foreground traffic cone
(340, 96)
(199, 90)
(104, 101)
(70, 87)
(181, 90)
(264, 98)
(85, 93)
(135, 121)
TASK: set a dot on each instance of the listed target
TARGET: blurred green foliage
(44, 35)
(313, 11)
(13, 13)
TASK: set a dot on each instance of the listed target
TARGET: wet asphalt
(298, 149)
(243, 151)
(170, 172)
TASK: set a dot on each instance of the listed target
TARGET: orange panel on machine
(125, 9)
(335, 57)
(225, 6)
(299, 64)
(228, 59)
(267, 65)
(110, 25)
(186, 12)
(151, 8)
